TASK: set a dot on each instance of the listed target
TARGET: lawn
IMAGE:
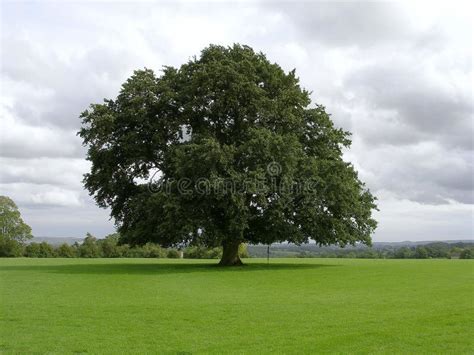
(188, 306)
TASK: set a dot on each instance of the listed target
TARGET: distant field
(184, 306)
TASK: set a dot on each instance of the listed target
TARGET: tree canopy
(237, 153)
(12, 226)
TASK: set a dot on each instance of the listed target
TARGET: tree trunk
(230, 254)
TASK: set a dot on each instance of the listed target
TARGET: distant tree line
(443, 250)
(109, 247)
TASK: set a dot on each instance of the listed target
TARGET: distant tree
(132, 252)
(152, 250)
(403, 253)
(228, 117)
(350, 255)
(437, 250)
(39, 250)
(368, 254)
(466, 254)
(12, 226)
(421, 253)
(10, 248)
(32, 250)
(455, 252)
(89, 247)
(109, 247)
(46, 250)
(66, 251)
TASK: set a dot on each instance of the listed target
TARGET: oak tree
(236, 153)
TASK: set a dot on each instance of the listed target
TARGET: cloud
(423, 103)
(70, 221)
(45, 89)
(423, 172)
(52, 170)
(452, 221)
(348, 23)
(45, 195)
(22, 140)
(397, 75)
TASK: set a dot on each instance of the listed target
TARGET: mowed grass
(188, 306)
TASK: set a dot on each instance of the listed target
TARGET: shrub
(194, 252)
(109, 247)
(66, 251)
(466, 254)
(201, 252)
(10, 248)
(89, 248)
(403, 253)
(39, 250)
(421, 253)
(151, 250)
(216, 253)
(32, 250)
(243, 252)
(173, 254)
(46, 250)
(133, 252)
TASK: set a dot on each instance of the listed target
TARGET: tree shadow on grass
(159, 268)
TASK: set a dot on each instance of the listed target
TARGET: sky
(397, 75)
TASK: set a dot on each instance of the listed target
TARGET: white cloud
(27, 194)
(19, 139)
(401, 220)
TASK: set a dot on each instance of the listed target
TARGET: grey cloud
(44, 195)
(18, 140)
(422, 172)
(419, 102)
(347, 23)
(63, 172)
(73, 221)
(56, 90)
(422, 221)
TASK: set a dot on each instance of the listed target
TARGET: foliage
(383, 251)
(421, 253)
(11, 224)
(467, 254)
(66, 251)
(201, 252)
(243, 252)
(10, 247)
(109, 247)
(226, 116)
(151, 250)
(39, 250)
(173, 254)
(89, 248)
(32, 250)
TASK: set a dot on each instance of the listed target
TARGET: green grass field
(184, 306)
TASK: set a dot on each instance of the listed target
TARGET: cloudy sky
(397, 75)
